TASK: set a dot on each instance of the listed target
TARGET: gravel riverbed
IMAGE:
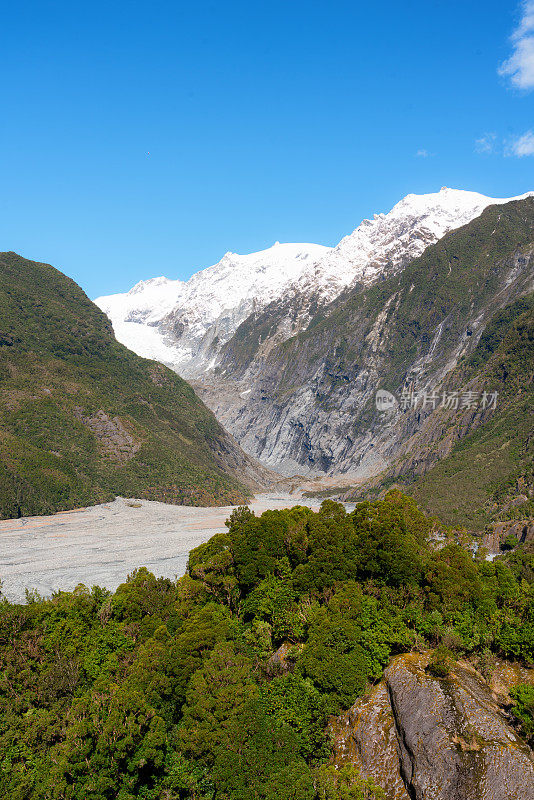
(100, 545)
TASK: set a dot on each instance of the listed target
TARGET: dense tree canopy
(220, 685)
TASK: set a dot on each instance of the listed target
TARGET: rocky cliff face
(494, 539)
(307, 405)
(424, 738)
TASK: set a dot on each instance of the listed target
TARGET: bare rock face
(493, 539)
(423, 738)
(367, 736)
(118, 443)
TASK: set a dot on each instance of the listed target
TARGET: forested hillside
(83, 419)
(489, 473)
(221, 685)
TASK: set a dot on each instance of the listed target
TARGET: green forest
(220, 685)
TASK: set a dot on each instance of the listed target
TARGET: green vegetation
(220, 685)
(440, 662)
(83, 419)
(474, 484)
(523, 708)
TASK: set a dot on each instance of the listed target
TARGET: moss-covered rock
(426, 738)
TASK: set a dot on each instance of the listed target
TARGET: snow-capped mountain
(306, 405)
(391, 240)
(185, 324)
(172, 321)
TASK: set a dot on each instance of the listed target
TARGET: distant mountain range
(187, 325)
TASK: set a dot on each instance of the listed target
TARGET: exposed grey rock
(118, 443)
(367, 737)
(494, 538)
(307, 405)
(421, 738)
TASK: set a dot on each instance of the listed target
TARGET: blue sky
(143, 139)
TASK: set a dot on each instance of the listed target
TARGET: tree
(217, 693)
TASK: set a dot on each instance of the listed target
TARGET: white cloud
(520, 66)
(486, 143)
(521, 146)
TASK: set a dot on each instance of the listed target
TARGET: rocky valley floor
(101, 544)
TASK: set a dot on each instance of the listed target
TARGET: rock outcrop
(424, 738)
(494, 538)
(117, 442)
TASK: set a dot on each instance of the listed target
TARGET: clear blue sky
(140, 139)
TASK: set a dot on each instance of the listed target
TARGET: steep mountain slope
(83, 419)
(479, 468)
(308, 405)
(189, 326)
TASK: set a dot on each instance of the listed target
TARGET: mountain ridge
(187, 324)
(83, 419)
(310, 407)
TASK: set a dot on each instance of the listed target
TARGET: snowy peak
(151, 283)
(224, 285)
(448, 207)
(242, 273)
(169, 320)
(185, 324)
(146, 302)
(389, 241)
(230, 290)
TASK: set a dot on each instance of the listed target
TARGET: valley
(199, 618)
(267, 401)
(401, 305)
